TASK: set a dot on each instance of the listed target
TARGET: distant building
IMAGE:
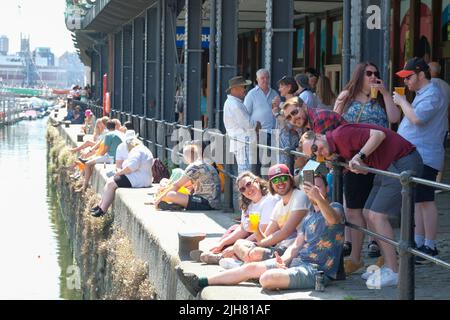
(4, 45)
(43, 57)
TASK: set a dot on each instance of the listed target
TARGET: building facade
(150, 50)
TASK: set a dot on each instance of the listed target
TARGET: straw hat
(238, 81)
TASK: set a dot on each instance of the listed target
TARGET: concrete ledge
(154, 237)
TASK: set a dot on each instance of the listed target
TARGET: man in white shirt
(258, 101)
(239, 125)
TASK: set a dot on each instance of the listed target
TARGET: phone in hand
(109, 174)
(308, 176)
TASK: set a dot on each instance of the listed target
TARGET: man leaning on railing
(383, 149)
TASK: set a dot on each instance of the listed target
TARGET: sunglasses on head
(370, 73)
(280, 179)
(246, 186)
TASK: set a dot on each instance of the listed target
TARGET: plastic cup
(373, 92)
(400, 90)
(253, 218)
(183, 190)
(320, 159)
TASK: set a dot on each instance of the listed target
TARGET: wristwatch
(361, 155)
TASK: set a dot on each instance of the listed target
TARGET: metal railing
(155, 134)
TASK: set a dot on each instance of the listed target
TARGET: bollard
(80, 137)
(406, 269)
(188, 241)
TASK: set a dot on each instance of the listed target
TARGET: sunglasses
(293, 113)
(280, 179)
(409, 77)
(246, 186)
(370, 73)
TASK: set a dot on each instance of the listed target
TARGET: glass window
(446, 20)
(426, 30)
(336, 46)
(300, 43)
(406, 50)
(312, 44)
(323, 39)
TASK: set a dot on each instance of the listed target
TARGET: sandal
(373, 250)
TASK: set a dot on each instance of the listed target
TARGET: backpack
(218, 168)
(159, 171)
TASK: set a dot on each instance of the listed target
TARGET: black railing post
(164, 141)
(228, 182)
(337, 184)
(406, 270)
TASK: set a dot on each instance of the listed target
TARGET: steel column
(127, 68)
(152, 62)
(168, 59)
(346, 49)
(212, 65)
(279, 38)
(406, 277)
(226, 41)
(138, 66)
(117, 98)
(192, 61)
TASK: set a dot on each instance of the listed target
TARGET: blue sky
(42, 20)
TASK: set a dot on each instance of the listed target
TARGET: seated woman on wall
(89, 122)
(136, 173)
(254, 197)
(99, 133)
(199, 174)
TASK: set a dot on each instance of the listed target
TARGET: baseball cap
(278, 170)
(88, 113)
(412, 66)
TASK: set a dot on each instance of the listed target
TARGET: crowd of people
(298, 231)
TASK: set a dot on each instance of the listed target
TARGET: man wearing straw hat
(239, 125)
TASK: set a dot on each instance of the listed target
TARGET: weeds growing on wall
(109, 269)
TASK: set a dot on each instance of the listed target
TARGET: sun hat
(238, 81)
(130, 135)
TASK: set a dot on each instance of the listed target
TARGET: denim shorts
(302, 275)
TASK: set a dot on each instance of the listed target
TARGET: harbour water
(36, 261)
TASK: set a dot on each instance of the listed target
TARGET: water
(35, 252)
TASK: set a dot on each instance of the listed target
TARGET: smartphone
(110, 174)
(308, 176)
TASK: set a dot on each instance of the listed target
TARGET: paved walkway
(432, 281)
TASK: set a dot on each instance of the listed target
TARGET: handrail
(404, 245)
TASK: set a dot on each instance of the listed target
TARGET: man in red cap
(424, 125)
(284, 222)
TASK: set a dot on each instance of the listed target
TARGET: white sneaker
(386, 277)
(230, 263)
(370, 271)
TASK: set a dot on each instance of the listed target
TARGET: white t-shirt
(140, 160)
(264, 206)
(281, 212)
(122, 151)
